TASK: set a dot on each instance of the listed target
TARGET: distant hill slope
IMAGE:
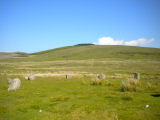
(83, 52)
(5, 55)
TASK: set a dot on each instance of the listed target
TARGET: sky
(37, 25)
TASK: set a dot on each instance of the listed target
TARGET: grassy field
(52, 97)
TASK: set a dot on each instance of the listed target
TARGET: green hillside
(100, 52)
(85, 52)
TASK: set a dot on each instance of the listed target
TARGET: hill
(85, 52)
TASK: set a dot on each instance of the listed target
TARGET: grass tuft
(108, 83)
(96, 82)
(150, 85)
(130, 85)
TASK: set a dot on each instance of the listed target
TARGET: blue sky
(36, 25)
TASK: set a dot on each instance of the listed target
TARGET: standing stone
(15, 84)
(101, 76)
(67, 76)
(31, 77)
(136, 76)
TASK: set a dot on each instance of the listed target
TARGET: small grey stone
(26, 77)
(101, 76)
(31, 77)
(136, 76)
(67, 76)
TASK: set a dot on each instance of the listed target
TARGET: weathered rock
(26, 77)
(15, 84)
(31, 77)
(101, 76)
(136, 76)
(9, 80)
(67, 76)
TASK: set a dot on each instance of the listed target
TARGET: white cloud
(109, 41)
(140, 41)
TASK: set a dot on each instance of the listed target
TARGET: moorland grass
(130, 85)
(75, 98)
(62, 99)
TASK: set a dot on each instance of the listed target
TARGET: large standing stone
(15, 84)
(136, 76)
(101, 76)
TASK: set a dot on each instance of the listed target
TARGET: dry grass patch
(150, 85)
(130, 85)
(96, 82)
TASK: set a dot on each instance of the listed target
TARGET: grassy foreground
(77, 99)
(52, 97)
